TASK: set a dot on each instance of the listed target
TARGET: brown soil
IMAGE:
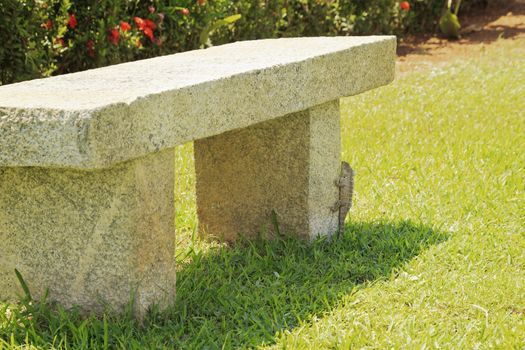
(481, 28)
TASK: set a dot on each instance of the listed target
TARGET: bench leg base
(287, 164)
(93, 238)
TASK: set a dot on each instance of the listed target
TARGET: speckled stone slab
(96, 118)
(287, 164)
(94, 238)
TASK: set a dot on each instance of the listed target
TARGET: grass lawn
(433, 254)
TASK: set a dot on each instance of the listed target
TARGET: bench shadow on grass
(242, 296)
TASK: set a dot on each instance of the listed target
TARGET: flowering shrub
(44, 37)
(404, 5)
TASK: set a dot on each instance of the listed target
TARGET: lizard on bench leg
(345, 183)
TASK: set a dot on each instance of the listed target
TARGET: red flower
(48, 25)
(150, 24)
(90, 44)
(149, 33)
(185, 12)
(72, 22)
(404, 5)
(151, 9)
(147, 26)
(125, 26)
(114, 36)
(60, 41)
(139, 22)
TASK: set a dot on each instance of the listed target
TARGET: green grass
(433, 254)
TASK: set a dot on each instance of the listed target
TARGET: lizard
(345, 183)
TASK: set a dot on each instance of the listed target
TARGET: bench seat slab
(91, 237)
(287, 164)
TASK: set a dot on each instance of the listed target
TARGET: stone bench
(87, 160)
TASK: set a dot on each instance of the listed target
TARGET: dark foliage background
(48, 37)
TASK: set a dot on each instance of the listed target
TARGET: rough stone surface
(91, 237)
(96, 118)
(288, 164)
(86, 161)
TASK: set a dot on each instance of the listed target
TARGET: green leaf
(24, 286)
(210, 28)
(232, 18)
(449, 25)
(275, 222)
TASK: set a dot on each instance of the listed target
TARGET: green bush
(47, 37)
(44, 37)
(22, 52)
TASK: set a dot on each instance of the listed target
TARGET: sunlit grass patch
(433, 254)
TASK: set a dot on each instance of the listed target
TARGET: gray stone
(288, 164)
(96, 118)
(91, 237)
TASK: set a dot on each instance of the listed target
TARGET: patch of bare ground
(483, 27)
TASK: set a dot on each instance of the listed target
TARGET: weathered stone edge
(94, 139)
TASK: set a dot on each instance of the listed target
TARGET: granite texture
(93, 238)
(288, 164)
(100, 117)
(87, 163)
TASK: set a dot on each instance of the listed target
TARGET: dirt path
(483, 27)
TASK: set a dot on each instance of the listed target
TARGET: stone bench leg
(287, 164)
(91, 237)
